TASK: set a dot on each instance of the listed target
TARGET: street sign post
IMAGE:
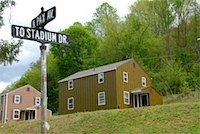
(39, 34)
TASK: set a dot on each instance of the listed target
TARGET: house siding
(86, 95)
(154, 97)
(135, 72)
(62, 98)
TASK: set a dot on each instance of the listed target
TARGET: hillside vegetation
(161, 35)
(180, 116)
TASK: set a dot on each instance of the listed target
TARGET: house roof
(94, 71)
(11, 91)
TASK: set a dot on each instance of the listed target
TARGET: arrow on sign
(39, 35)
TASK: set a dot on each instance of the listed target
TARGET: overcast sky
(67, 12)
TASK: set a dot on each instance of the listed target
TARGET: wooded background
(161, 35)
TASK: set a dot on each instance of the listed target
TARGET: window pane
(70, 84)
(143, 80)
(16, 99)
(16, 114)
(101, 98)
(101, 78)
(126, 98)
(37, 101)
(71, 103)
(125, 77)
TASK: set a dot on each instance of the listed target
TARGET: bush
(171, 79)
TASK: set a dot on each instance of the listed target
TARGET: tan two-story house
(124, 84)
(21, 104)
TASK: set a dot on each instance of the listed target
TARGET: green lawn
(181, 117)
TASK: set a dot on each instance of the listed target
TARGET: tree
(104, 14)
(31, 77)
(148, 34)
(52, 82)
(172, 79)
(107, 26)
(183, 10)
(79, 54)
(9, 49)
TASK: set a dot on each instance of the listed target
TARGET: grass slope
(172, 118)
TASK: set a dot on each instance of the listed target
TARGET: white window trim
(126, 98)
(68, 104)
(37, 101)
(144, 80)
(14, 110)
(15, 99)
(70, 87)
(100, 76)
(125, 75)
(104, 98)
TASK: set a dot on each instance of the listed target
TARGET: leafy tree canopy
(8, 49)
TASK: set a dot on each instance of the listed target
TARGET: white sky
(67, 12)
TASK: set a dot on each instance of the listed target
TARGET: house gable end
(21, 88)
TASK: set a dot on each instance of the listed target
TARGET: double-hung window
(16, 114)
(70, 103)
(101, 78)
(17, 99)
(126, 97)
(70, 84)
(37, 101)
(125, 77)
(101, 98)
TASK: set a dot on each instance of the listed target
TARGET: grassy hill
(177, 117)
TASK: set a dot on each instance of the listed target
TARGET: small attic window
(101, 78)
(27, 89)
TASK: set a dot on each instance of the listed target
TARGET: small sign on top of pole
(43, 18)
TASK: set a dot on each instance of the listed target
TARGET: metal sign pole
(39, 34)
(43, 90)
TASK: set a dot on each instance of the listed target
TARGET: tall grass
(179, 115)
